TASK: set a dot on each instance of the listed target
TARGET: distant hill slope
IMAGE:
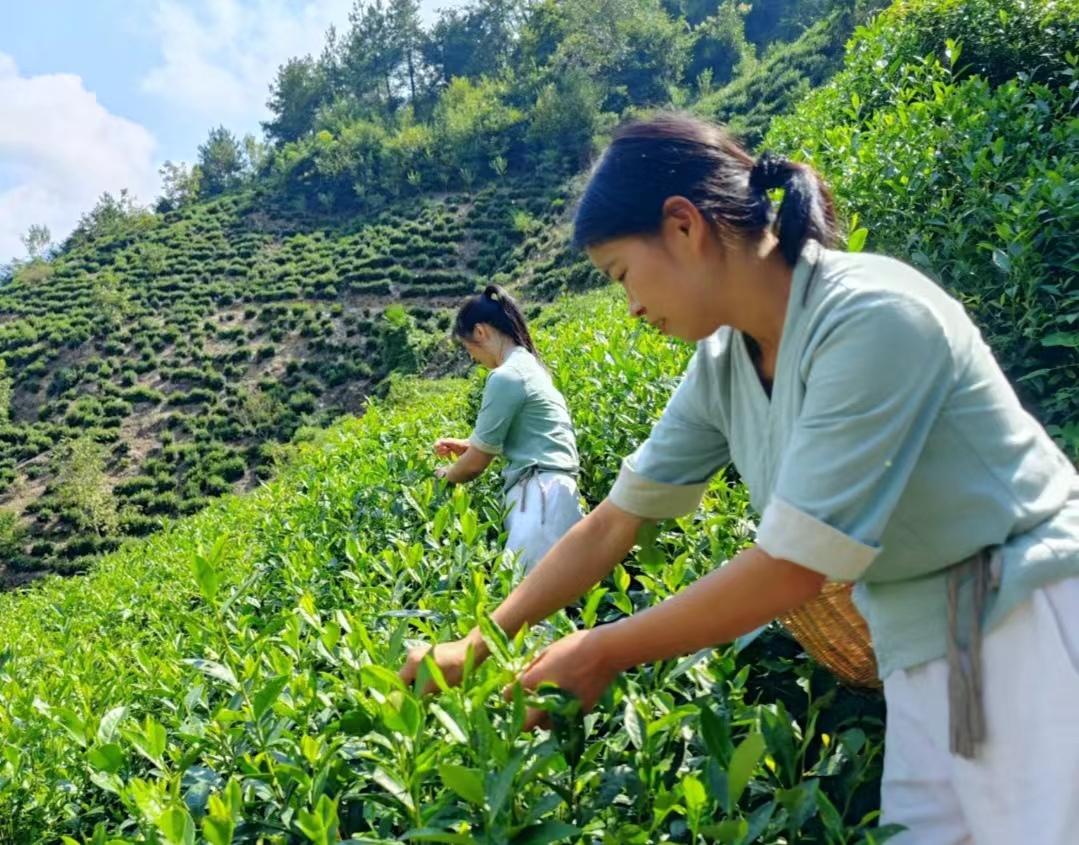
(180, 349)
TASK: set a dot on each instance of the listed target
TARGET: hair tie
(770, 171)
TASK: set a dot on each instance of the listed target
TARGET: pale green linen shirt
(892, 447)
(524, 418)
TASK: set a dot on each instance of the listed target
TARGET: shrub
(976, 184)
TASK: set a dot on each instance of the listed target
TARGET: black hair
(676, 154)
(496, 308)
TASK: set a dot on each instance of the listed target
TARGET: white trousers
(1022, 788)
(552, 506)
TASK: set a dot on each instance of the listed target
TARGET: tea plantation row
(180, 348)
(233, 677)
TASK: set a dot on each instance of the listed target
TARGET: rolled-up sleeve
(875, 386)
(668, 473)
(503, 396)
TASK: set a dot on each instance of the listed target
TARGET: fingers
(407, 673)
(531, 677)
(447, 445)
(528, 679)
(536, 719)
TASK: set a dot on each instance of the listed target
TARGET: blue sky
(96, 94)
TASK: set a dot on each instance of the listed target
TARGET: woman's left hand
(440, 472)
(577, 664)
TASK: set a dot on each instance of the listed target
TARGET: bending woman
(523, 418)
(881, 444)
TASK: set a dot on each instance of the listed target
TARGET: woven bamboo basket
(833, 632)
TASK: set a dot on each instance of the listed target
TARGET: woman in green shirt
(881, 444)
(524, 419)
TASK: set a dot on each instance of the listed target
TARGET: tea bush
(232, 680)
(975, 180)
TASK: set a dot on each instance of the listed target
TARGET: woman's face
(481, 347)
(673, 278)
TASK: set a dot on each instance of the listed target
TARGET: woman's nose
(636, 309)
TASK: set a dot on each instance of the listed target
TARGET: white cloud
(59, 150)
(220, 56)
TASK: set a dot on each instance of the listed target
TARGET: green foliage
(379, 53)
(566, 115)
(635, 48)
(779, 81)
(221, 162)
(82, 485)
(5, 393)
(1000, 39)
(12, 535)
(37, 241)
(504, 87)
(180, 186)
(974, 182)
(111, 217)
(720, 47)
(471, 42)
(475, 123)
(234, 676)
(397, 336)
(295, 96)
(152, 342)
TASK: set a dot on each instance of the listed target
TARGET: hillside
(176, 353)
(157, 360)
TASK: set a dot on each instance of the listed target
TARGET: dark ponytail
(679, 155)
(496, 308)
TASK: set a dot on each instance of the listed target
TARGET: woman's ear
(681, 213)
(683, 224)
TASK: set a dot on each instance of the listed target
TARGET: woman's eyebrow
(607, 269)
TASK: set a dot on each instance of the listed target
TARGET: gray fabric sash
(966, 713)
(525, 478)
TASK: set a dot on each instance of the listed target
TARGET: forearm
(459, 472)
(467, 467)
(748, 592)
(582, 558)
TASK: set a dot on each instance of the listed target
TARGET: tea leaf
(467, 783)
(106, 730)
(177, 826)
(545, 833)
(263, 700)
(743, 763)
(215, 670)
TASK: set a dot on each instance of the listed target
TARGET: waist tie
(966, 713)
(527, 476)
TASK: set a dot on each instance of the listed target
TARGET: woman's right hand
(449, 657)
(450, 446)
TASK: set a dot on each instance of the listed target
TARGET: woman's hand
(449, 657)
(470, 464)
(577, 664)
(450, 446)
